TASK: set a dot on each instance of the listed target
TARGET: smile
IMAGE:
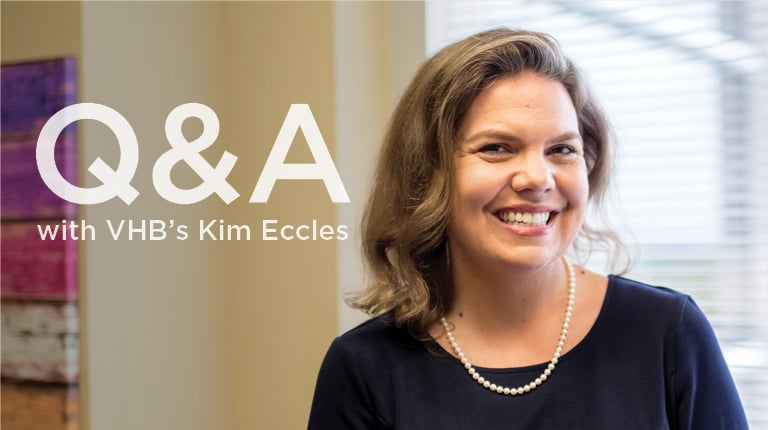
(524, 218)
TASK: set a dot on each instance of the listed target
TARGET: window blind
(685, 86)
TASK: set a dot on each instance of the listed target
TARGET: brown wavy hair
(405, 221)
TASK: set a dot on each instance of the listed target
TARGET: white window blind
(685, 85)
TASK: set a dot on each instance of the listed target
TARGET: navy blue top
(650, 361)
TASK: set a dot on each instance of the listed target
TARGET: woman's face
(520, 177)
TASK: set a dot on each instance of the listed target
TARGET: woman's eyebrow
(569, 135)
(508, 137)
(493, 135)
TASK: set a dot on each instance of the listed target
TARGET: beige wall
(378, 47)
(157, 341)
(282, 308)
(39, 30)
(220, 335)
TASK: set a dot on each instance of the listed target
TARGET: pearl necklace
(552, 363)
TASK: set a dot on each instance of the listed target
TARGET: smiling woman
(521, 178)
(494, 155)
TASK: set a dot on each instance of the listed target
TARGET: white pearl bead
(486, 384)
(506, 390)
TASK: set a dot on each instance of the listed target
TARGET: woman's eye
(563, 150)
(494, 148)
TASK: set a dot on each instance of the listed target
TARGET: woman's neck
(508, 299)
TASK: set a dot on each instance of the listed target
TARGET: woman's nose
(533, 174)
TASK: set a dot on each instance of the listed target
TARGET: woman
(480, 321)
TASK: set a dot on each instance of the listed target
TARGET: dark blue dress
(650, 361)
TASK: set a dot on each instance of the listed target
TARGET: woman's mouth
(528, 219)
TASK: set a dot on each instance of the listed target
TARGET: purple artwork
(32, 93)
(39, 276)
(35, 269)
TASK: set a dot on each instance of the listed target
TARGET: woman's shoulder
(640, 293)
(382, 325)
(653, 317)
(649, 305)
(377, 334)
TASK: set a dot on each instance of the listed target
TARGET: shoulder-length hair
(408, 210)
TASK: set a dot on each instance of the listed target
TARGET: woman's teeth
(525, 218)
